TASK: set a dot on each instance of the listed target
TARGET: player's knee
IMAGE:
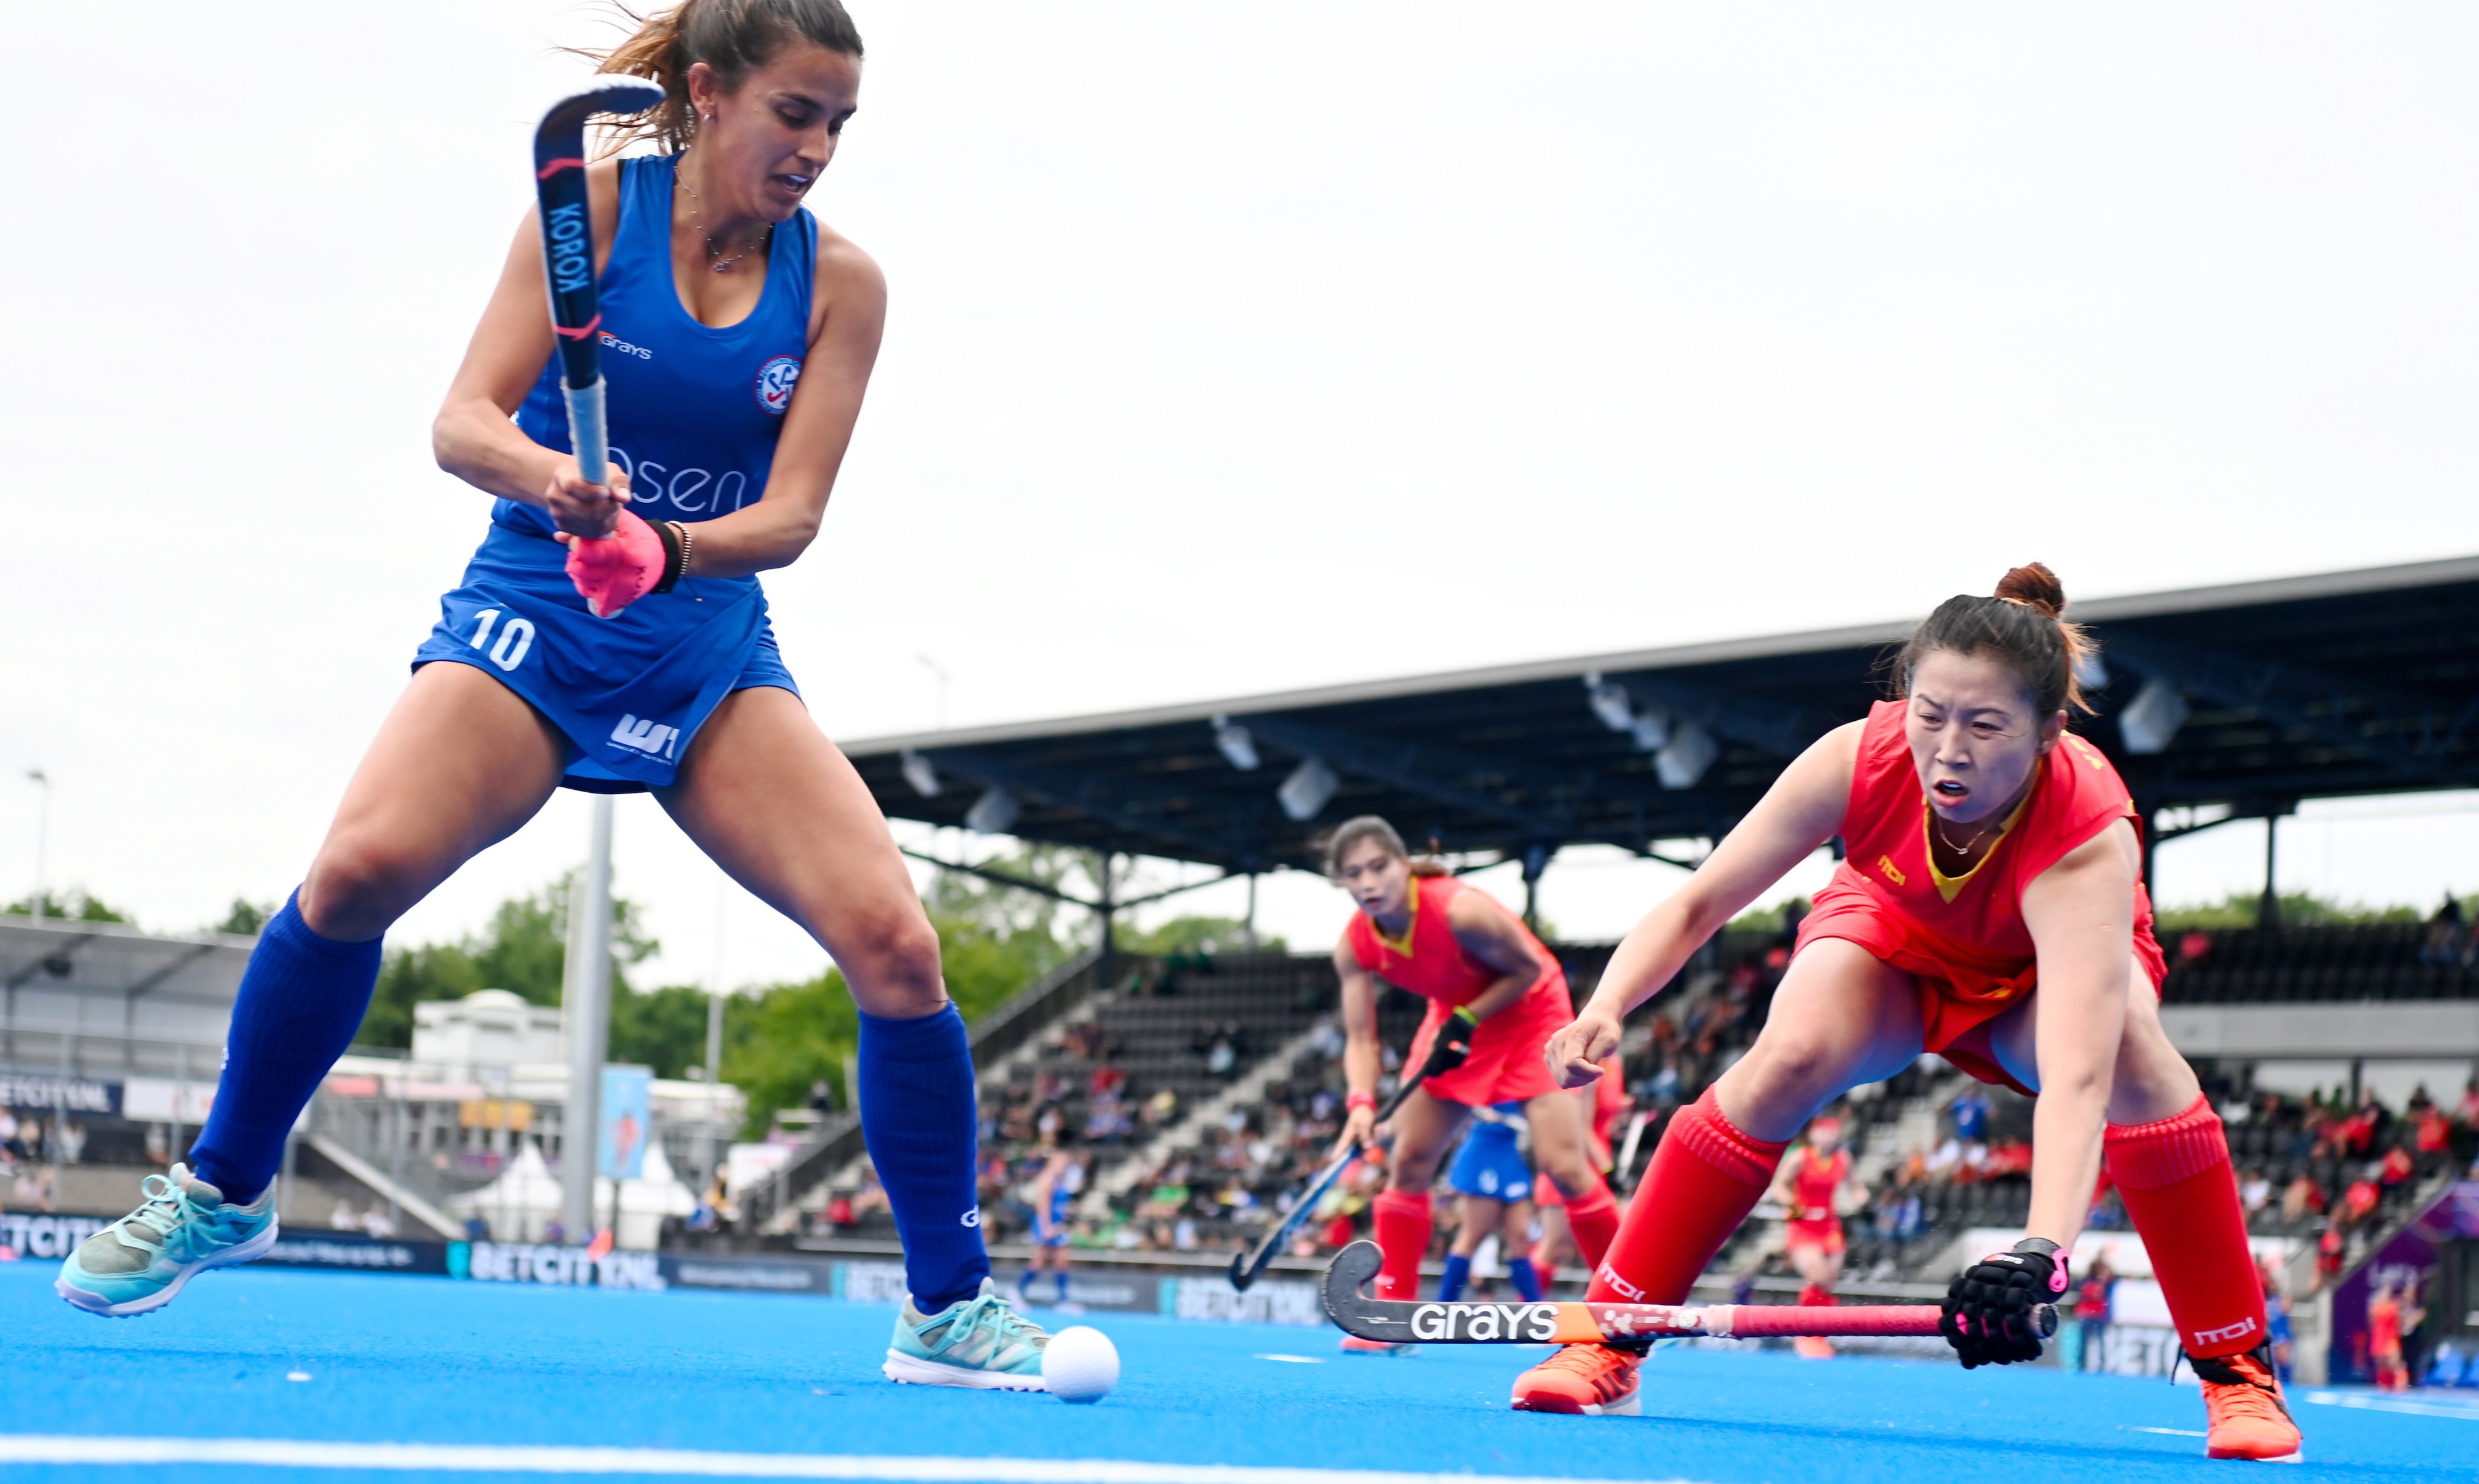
(355, 888)
(896, 973)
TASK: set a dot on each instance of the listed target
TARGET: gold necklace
(1947, 840)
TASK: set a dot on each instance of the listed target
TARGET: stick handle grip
(587, 431)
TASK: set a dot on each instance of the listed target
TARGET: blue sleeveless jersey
(695, 413)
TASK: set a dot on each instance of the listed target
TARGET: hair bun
(2035, 586)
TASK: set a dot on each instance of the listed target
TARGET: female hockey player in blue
(737, 339)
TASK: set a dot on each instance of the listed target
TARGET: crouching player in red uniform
(1494, 988)
(1989, 907)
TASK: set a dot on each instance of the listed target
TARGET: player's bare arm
(1488, 932)
(1362, 1061)
(1801, 811)
(2082, 916)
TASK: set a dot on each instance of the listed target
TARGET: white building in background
(490, 1030)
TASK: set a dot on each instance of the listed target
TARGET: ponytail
(2022, 624)
(733, 36)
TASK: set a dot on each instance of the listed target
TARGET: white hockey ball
(1080, 1364)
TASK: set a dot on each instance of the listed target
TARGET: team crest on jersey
(776, 380)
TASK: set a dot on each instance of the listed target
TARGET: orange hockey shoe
(1353, 1344)
(1582, 1380)
(2246, 1414)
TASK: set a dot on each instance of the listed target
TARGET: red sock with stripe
(1706, 1177)
(2179, 1192)
(1401, 1222)
(1592, 1218)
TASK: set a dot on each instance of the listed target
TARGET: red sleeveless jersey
(1813, 1187)
(1505, 1064)
(1963, 936)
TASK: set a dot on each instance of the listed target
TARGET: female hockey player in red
(1989, 907)
(1810, 1185)
(1497, 995)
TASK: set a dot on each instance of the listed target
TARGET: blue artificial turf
(412, 1360)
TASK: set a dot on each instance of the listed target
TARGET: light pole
(43, 834)
(714, 1032)
(586, 1000)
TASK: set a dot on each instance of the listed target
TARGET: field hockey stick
(568, 254)
(1573, 1321)
(1246, 1265)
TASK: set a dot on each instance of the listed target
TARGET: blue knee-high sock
(1450, 1283)
(301, 999)
(917, 1117)
(1061, 1279)
(1528, 1282)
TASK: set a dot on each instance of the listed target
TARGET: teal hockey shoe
(980, 1341)
(186, 1226)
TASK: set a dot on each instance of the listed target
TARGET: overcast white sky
(1589, 326)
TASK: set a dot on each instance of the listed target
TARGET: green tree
(245, 919)
(524, 949)
(1194, 934)
(2298, 910)
(74, 906)
(994, 940)
(664, 1029)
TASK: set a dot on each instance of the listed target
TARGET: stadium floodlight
(992, 812)
(2151, 721)
(1610, 702)
(918, 773)
(1238, 746)
(1306, 791)
(1652, 731)
(2092, 672)
(1681, 761)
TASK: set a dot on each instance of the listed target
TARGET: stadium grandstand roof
(2234, 700)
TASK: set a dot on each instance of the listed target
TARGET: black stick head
(1345, 1304)
(605, 93)
(1242, 1273)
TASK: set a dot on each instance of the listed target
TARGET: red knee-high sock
(1816, 1294)
(2175, 1179)
(1594, 1219)
(1402, 1224)
(1706, 1176)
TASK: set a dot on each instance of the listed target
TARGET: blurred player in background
(738, 335)
(1991, 906)
(1814, 1187)
(1492, 1178)
(1493, 990)
(1606, 1103)
(1055, 1188)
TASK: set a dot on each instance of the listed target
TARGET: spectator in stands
(2194, 947)
(2255, 1192)
(2434, 1139)
(2448, 938)
(2395, 1167)
(1970, 1110)
(33, 1189)
(1161, 1110)
(379, 1223)
(10, 1150)
(2360, 1200)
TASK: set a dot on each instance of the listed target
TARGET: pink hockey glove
(614, 570)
